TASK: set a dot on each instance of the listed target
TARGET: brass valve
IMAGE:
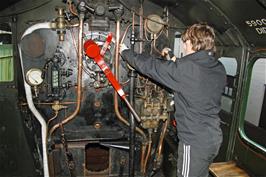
(60, 23)
(57, 106)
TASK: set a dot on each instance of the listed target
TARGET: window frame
(13, 82)
(243, 106)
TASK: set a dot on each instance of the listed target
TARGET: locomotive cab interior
(71, 106)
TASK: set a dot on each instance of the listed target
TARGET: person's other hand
(165, 51)
(122, 48)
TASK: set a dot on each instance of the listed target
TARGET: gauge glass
(34, 77)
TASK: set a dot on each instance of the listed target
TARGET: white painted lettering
(261, 30)
(253, 23)
(256, 22)
(248, 23)
(259, 22)
(263, 21)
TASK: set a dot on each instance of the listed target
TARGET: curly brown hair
(201, 36)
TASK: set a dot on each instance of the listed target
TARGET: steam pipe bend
(45, 25)
(124, 35)
(148, 154)
(160, 146)
(29, 98)
(116, 73)
(79, 79)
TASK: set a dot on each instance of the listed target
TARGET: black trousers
(194, 161)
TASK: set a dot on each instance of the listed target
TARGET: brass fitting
(57, 106)
(60, 23)
(150, 124)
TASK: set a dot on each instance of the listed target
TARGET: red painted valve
(93, 51)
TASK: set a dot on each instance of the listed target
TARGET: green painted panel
(250, 160)
(6, 63)
(243, 109)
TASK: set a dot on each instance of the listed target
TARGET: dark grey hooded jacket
(197, 81)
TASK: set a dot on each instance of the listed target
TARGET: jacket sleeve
(163, 71)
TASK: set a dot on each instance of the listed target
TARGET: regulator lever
(93, 51)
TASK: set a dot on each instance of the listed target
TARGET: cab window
(255, 115)
(6, 53)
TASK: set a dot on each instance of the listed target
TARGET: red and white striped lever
(94, 51)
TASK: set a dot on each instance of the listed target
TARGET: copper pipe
(74, 40)
(76, 48)
(125, 82)
(133, 22)
(70, 7)
(79, 78)
(50, 103)
(74, 25)
(162, 135)
(52, 118)
(144, 146)
(120, 117)
(167, 22)
(260, 49)
(124, 35)
(143, 149)
(71, 25)
(141, 27)
(148, 153)
(122, 40)
(154, 44)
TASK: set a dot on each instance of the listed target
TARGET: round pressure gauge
(34, 77)
(154, 23)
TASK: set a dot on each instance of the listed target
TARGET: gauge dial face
(34, 77)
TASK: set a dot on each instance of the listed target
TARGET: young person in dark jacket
(197, 81)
